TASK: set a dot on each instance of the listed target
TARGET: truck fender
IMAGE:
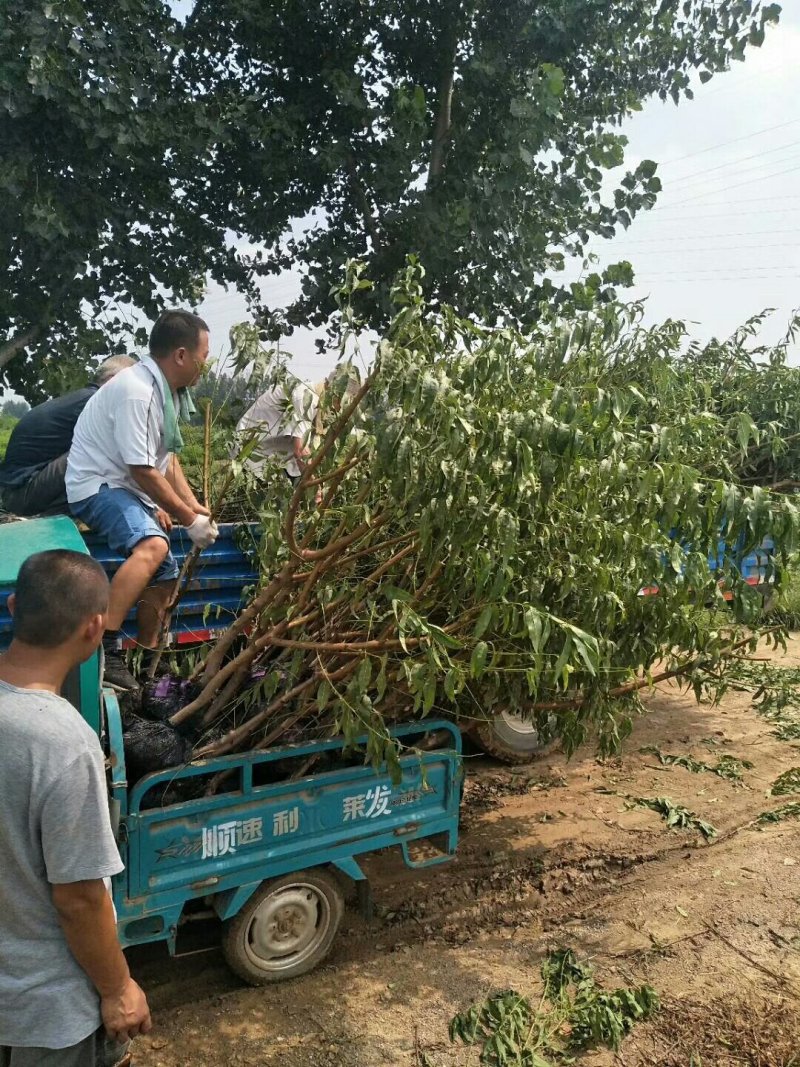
(348, 866)
(230, 901)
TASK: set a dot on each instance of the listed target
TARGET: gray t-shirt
(54, 828)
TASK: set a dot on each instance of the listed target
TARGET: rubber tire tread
(484, 734)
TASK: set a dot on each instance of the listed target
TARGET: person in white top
(281, 420)
(124, 479)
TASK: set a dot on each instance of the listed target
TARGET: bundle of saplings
(475, 530)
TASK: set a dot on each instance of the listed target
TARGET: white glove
(203, 531)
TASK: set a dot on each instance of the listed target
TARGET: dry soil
(549, 856)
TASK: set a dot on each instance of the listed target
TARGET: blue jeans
(124, 520)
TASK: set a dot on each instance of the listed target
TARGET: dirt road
(550, 855)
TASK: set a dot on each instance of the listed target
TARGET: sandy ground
(549, 856)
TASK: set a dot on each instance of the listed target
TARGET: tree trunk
(441, 134)
(17, 344)
(370, 223)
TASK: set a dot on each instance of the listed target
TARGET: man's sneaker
(116, 673)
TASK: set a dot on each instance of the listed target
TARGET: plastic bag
(151, 746)
(164, 696)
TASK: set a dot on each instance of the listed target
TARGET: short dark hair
(175, 329)
(56, 592)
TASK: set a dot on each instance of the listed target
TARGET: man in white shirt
(281, 420)
(124, 479)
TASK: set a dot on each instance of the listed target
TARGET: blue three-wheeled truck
(267, 856)
(271, 859)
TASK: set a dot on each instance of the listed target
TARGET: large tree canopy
(474, 134)
(97, 141)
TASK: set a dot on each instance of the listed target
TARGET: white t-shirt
(279, 418)
(121, 426)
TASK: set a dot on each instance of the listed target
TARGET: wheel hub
(517, 724)
(286, 924)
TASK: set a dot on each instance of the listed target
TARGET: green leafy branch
(574, 1014)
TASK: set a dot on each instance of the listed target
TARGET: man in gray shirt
(63, 976)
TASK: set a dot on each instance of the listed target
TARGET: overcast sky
(722, 242)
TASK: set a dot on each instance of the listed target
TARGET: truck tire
(509, 738)
(286, 928)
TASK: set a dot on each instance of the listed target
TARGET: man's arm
(138, 443)
(177, 479)
(87, 919)
(300, 451)
(153, 482)
(304, 405)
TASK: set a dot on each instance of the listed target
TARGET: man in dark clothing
(32, 472)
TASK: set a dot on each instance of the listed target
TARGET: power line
(727, 203)
(734, 140)
(703, 94)
(720, 215)
(699, 175)
(756, 267)
(225, 299)
(727, 271)
(713, 236)
(758, 271)
(717, 248)
(727, 279)
(652, 248)
(739, 185)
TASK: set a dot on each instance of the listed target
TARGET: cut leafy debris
(788, 811)
(573, 1015)
(676, 816)
(776, 693)
(731, 1030)
(787, 783)
(788, 730)
(729, 767)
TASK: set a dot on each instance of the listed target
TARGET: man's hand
(300, 452)
(199, 509)
(203, 532)
(163, 520)
(126, 1014)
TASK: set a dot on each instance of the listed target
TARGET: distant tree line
(230, 395)
(14, 409)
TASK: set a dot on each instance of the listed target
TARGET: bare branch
(19, 343)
